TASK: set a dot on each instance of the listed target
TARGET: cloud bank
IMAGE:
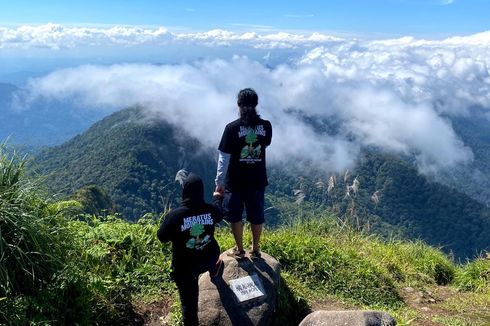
(59, 37)
(325, 104)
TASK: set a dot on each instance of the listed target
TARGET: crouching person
(190, 228)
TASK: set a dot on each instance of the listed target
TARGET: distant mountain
(6, 114)
(393, 200)
(472, 179)
(135, 161)
(20, 77)
(43, 123)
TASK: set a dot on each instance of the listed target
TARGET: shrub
(474, 276)
(410, 262)
(310, 251)
(33, 241)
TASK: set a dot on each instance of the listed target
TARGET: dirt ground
(154, 313)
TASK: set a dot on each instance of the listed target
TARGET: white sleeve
(223, 162)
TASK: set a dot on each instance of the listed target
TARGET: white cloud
(56, 37)
(200, 98)
(393, 93)
(451, 75)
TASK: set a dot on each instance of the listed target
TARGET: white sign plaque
(247, 288)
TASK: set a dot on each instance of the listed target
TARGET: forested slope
(134, 159)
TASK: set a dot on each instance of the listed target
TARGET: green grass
(474, 276)
(322, 259)
(121, 263)
(33, 241)
(468, 308)
(59, 267)
(117, 251)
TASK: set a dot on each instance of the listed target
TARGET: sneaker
(254, 254)
(235, 253)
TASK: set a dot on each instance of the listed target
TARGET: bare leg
(237, 230)
(256, 232)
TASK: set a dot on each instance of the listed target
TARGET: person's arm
(223, 163)
(224, 154)
(164, 234)
(269, 134)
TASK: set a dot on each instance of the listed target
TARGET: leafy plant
(474, 276)
(31, 242)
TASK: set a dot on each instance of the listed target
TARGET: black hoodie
(190, 227)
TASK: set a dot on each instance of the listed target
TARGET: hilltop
(61, 266)
(134, 159)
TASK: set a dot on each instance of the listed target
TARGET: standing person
(242, 170)
(190, 228)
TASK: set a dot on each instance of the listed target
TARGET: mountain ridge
(135, 160)
(135, 156)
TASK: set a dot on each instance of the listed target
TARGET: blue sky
(345, 58)
(421, 18)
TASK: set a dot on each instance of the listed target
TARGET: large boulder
(348, 318)
(218, 303)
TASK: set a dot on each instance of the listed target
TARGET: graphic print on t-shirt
(249, 153)
(196, 225)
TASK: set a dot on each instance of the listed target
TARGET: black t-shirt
(191, 231)
(247, 169)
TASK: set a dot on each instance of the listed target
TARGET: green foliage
(135, 162)
(414, 263)
(474, 276)
(33, 246)
(291, 307)
(322, 258)
(472, 178)
(110, 263)
(31, 243)
(94, 200)
(118, 261)
(122, 255)
(57, 270)
(410, 205)
(339, 271)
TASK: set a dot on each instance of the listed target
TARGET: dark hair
(247, 100)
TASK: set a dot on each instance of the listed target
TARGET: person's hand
(220, 190)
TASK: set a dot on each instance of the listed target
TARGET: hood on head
(193, 191)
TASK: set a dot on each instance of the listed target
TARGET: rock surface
(348, 318)
(218, 304)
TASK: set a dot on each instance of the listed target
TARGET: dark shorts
(252, 200)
